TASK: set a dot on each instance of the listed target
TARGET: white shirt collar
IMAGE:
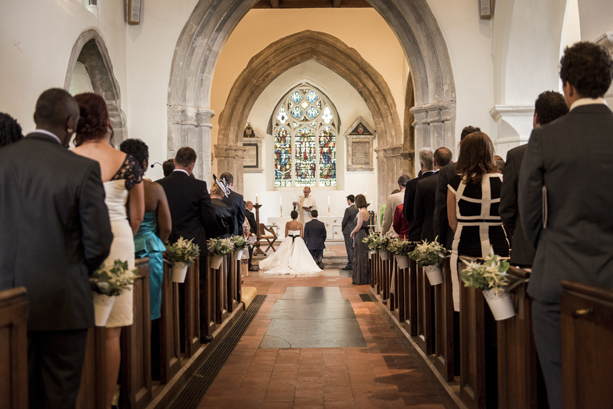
(588, 101)
(51, 134)
(181, 170)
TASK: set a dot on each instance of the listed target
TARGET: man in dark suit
(427, 165)
(253, 229)
(315, 238)
(569, 162)
(425, 196)
(550, 105)
(236, 201)
(55, 233)
(191, 211)
(441, 224)
(347, 225)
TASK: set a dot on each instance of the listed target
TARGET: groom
(315, 238)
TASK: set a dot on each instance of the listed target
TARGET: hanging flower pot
(239, 254)
(403, 261)
(103, 304)
(500, 303)
(216, 260)
(385, 255)
(179, 270)
(434, 274)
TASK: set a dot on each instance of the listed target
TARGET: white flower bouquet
(182, 254)
(429, 256)
(240, 243)
(491, 277)
(219, 248)
(107, 283)
(400, 248)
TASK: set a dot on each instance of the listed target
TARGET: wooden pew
(191, 289)
(234, 283)
(444, 344)
(399, 294)
(170, 348)
(425, 323)
(208, 286)
(587, 336)
(221, 293)
(410, 298)
(14, 348)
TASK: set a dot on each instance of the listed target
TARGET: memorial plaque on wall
(251, 156)
(360, 146)
(252, 142)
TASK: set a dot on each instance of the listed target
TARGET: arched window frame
(326, 121)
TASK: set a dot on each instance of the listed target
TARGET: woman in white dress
(292, 256)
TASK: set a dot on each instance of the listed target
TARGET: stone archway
(211, 23)
(90, 50)
(293, 50)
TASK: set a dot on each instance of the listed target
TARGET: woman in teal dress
(155, 228)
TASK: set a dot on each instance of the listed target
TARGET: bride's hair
(294, 214)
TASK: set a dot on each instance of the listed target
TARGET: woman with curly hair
(125, 200)
(10, 131)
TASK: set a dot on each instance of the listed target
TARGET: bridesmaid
(361, 274)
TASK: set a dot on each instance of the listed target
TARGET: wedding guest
(236, 201)
(10, 131)
(253, 229)
(425, 196)
(401, 226)
(361, 273)
(569, 159)
(392, 202)
(441, 224)
(125, 201)
(168, 167)
(64, 235)
(224, 214)
(549, 105)
(347, 225)
(427, 170)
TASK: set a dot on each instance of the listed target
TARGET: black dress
(361, 272)
(224, 214)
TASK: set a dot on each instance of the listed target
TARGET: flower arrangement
(428, 254)
(183, 251)
(221, 247)
(113, 280)
(399, 247)
(488, 275)
(370, 240)
(240, 242)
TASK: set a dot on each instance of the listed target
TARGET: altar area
(334, 230)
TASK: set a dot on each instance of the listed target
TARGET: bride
(292, 256)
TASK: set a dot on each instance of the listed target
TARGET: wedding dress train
(292, 257)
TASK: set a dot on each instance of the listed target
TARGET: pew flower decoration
(240, 243)
(491, 277)
(107, 283)
(429, 255)
(218, 249)
(181, 254)
(370, 240)
(400, 248)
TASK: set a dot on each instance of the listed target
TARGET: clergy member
(305, 205)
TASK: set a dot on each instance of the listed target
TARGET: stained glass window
(305, 154)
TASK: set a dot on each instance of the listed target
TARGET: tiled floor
(380, 375)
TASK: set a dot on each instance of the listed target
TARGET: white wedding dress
(292, 257)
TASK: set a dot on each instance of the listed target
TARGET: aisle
(318, 347)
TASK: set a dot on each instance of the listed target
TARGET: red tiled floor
(381, 375)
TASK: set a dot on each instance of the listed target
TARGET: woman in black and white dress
(472, 204)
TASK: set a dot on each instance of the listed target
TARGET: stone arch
(289, 52)
(90, 50)
(211, 23)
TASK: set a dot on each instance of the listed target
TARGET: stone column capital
(388, 151)
(432, 113)
(230, 151)
(193, 116)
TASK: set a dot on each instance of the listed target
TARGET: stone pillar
(191, 126)
(433, 127)
(514, 126)
(230, 158)
(389, 169)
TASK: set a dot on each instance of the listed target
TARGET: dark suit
(348, 225)
(425, 197)
(315, 238)
(253, 229)
(571, 158)
(441, 223)
(522, 252)
(193, 217)
(55, 232)
(409, 205)
(236, 201)
(224, 214)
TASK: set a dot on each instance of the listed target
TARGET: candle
(256, 198)
(280, 206)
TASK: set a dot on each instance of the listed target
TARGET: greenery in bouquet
(182, 251)
(370, 240)
(221, 247)
(490, 274)
(428, 254)
(240, 242)
(113, 280)
(399, 247)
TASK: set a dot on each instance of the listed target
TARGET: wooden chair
(269, 235)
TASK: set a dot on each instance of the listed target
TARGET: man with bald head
(55, 233)
(305, 205)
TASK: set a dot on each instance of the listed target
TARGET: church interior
(336, 95)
